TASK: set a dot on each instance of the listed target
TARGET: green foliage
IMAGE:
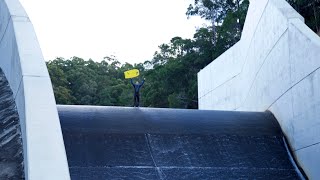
(171, 75)
(231, 12)
(76, 81)
(310, 10)
(170, 82)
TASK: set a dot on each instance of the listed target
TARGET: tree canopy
(171, 75)
(310, 10)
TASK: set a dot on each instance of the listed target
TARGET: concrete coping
(23, 65)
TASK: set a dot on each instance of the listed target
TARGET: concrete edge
(24, 66)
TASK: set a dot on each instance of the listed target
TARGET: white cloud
(131, 30)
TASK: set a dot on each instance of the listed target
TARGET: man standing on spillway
(137, 87)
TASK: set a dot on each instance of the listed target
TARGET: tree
(171, 75)
(217, 10)
(310, 10)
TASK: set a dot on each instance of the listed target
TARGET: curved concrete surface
(24, 67)
(11, 160)
(149, 143)
(275, 67)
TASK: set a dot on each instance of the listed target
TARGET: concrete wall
(23, 65)
(275, 66)
(11, 163)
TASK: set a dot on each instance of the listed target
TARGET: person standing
(137, 87)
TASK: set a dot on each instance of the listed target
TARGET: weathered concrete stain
(11, 158)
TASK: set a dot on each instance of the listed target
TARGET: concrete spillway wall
(275, 66)
(23, 66)
(11, 160)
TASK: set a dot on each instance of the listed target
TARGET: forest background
(171, 75)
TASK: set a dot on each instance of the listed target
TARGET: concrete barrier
(275, 66)
(23, 65)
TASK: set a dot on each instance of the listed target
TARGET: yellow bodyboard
(131, 73)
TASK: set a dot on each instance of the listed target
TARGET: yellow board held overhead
(131, 73)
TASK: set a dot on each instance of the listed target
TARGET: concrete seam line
(246, 51)
(247, 58)
(5, 30)
(307, 146)
(290, 73)
(149, 147)
(293, 23)
(265, 59)
(293, 86)
(19, 87)
(220, 85)
(255, 30)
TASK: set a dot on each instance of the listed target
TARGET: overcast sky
(131, 30)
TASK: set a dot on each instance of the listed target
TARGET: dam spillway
(274, 67)
(152, 143)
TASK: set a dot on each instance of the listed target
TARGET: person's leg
(138, 100)
(134, 100)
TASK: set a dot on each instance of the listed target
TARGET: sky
(130, 30)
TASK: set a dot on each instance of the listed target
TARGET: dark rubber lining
(151, 143)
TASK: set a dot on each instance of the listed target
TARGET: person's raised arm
(142, 82)
(131, 82)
